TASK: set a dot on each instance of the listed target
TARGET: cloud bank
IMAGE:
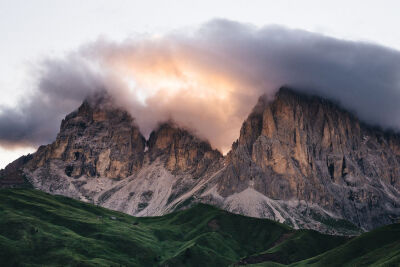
(209, 80)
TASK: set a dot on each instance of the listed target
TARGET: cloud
(209, 79)
(62, 86)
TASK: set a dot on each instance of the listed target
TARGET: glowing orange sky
(161, 81)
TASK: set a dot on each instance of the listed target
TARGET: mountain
(300, 159)
(39, 229)
(315, 159)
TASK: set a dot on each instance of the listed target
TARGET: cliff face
(299, 159)
(97, 140)
(305, 148)
(181, 151)
(12, 175)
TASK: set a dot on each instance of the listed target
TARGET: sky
(35, 34)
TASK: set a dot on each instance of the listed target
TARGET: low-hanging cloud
(61, 87)
(208, 80)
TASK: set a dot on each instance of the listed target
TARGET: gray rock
(300, 160)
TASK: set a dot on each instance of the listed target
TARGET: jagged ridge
(299, 159)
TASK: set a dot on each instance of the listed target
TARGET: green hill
(380, 247)
(39, 229)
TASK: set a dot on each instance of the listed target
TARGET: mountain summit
(300, 159)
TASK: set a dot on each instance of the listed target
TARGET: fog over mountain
(208, 80)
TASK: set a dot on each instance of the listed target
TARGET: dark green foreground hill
(38, 229)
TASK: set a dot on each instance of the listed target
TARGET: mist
(208, 80)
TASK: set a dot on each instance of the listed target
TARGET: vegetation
(38, 229)
(380, 247)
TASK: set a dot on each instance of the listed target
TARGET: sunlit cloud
(208, 80)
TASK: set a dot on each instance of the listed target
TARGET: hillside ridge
(299, 159)
(37, 228)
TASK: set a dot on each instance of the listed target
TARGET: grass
(380, 247)
(300, 245)
(38, 229)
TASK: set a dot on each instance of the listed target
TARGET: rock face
(96, 140)
(181, 151)
(299, 159)
(12, 175)
(305, 148)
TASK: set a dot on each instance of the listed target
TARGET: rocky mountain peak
(181, 150)
(299, 159)
(97, 108)
(307, 148)
(98, 139)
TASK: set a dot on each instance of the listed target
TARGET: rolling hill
(39, 229)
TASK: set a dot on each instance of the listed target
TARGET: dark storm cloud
(362, 77)
(61, 87)
(248, 61)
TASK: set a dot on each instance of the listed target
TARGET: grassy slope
(301, 245)
(380, 247)
(38, 229)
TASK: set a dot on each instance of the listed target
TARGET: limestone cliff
(97, 140)
(12, 175)
(306, 148)
(180, 150)
(300, 159)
